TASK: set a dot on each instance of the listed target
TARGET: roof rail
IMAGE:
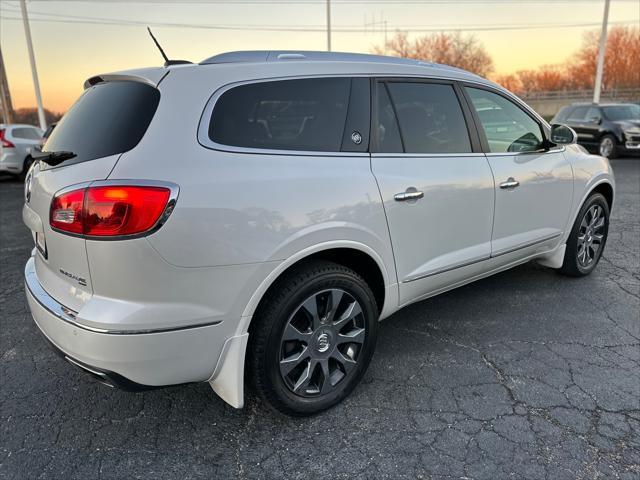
(261, 56)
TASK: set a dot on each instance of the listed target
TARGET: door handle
(510, 184)
(409, 194)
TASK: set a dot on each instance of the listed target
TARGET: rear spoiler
(151, 76)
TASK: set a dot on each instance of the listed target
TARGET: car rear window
(108, 119)
(301, 114)
(27, 133)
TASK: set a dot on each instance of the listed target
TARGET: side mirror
(563, 135)
(596, 120)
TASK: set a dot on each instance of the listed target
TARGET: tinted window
(27, 133)
(387, 126)
(622, 112)
(578, 114)
(507, 127)
(562, 114)
(430, 118)
(108, 118)
(305, 114)
(593, 114)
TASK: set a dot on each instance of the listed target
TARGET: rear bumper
(132, 361)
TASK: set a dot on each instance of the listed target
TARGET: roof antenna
(167, 62)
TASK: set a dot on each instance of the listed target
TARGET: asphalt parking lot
(525, 375)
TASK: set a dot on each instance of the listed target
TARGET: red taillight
(108, 211)
(66, 211)
(5, 143)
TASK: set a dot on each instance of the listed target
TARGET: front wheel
(313, 338)
(607, 147)
(588, 237)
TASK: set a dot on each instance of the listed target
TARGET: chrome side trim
(426, 155)
(519, 154)
(493, 255)
(504, 251)
(69, 316)
(447, 269)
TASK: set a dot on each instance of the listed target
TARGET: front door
(436, 185)
(585, 120)
(533, 185)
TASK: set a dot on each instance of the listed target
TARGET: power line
(76, 19)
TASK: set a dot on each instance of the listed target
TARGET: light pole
(603, 45)
(5, 94)
(328, 25)
(32, 60)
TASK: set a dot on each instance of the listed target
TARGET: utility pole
(5, 95)
(32, 60)
(328, 25)
(603, 45)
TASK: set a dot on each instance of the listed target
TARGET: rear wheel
(607, 147)
(588, 237)
(313, 338)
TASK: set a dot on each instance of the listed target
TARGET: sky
(74, 40)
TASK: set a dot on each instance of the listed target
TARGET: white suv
(261, 211)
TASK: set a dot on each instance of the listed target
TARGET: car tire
(300, 363)
(588, 237)
(608, 146)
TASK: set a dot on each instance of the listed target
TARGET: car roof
(281, 60)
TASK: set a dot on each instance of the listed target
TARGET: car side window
(593, 115)
(387, 129)
(300, 114)
(579, 114)
(430, 117)
(507, 127)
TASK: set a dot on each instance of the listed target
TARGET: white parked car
(254, 216)
(16, 142)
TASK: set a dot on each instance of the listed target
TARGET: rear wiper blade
(52, 158)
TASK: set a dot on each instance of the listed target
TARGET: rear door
(436, 186)
(107, 120)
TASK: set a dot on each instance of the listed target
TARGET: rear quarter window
(108, 119)
(300, 114)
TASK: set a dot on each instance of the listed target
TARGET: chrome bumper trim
(69, 316)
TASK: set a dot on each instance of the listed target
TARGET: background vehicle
(281, 205)
(16, 142)
(611, 129)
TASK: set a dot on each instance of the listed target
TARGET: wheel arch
(359, 257)
(228, 377)
(604, 188)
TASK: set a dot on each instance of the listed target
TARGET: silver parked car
(16, 142)
(255, 215)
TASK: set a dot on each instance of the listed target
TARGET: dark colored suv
(612, 128)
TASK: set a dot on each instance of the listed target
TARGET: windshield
(622, 112)
(107, 119)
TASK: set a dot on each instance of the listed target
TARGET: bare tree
(455, 49)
